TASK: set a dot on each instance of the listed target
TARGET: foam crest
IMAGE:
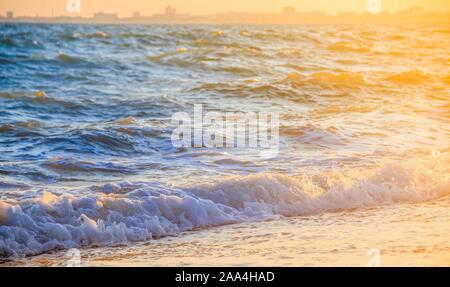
(127, 212)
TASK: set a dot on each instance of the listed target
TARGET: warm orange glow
(126, 8)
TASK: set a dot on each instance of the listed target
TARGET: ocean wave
(5, 61)
(126, 121)
(292, 87)
(126, 212)
(135, 35)
(341, 79)
(65, 58)
(446, 79)
(397, 37)
(232, 161)
(204, 57)
(289, 53)
(236, 71)
(6, 128)
(391, 53)
(253, 89)
(78, 36)
(349, 47)
(326, 79)
(342, 109)
(41, 98)
(71, 165)
(271, 35)
(102, 141)
(314, 135)
(122, 137)
(31, 125)
(13, 186)
(160, 56)
(7, 41)
(412, 77)
(107, 139)
(98, 34)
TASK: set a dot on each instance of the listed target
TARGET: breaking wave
(127, 212)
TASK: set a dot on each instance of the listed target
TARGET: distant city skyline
(48, 8)
(289, 15)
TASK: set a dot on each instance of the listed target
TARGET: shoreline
(329, 239)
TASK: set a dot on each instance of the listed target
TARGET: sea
(88, 163)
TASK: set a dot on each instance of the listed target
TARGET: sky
(201, 7)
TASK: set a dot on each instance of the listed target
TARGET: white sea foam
(126, 212)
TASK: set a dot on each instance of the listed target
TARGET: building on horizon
(105, 17)
(291, 15)
(170, 11)
(171, 15)
(288, 15)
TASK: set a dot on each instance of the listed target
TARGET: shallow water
(405, 235)
(86, 157)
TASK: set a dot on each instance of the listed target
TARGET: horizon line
(118, 16)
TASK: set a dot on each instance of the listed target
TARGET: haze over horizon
(202, 7)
